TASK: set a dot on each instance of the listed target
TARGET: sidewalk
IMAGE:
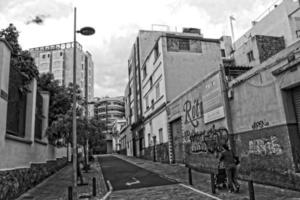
(202, 182)
(56, 186)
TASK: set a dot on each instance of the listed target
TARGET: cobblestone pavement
(200, 181)
(56, 186)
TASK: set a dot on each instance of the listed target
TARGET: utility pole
(232, 32)
(74, 113)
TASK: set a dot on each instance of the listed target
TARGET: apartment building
(140, 49)
(176, 61)
(109, 109)
(277, 28)
(58, 59)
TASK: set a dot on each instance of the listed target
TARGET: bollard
(94, 187)
(212, 183)
(251, 190)
(190, 177)
(70, 193)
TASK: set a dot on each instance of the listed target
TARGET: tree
(61, 98)
(20, 59)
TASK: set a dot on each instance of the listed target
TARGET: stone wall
(16, 181)
(268, 46)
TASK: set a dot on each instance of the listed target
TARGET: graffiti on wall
(260, 124)
(265, 146)
(209, 141)
(193, 111)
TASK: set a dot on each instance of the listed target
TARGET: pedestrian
(230, 162)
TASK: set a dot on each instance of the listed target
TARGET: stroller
(220, 177)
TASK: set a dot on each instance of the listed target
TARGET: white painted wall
(276, 23)
(14, 153)
(158, 122)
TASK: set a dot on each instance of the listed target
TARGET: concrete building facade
(158, 73)
(58, 59)
(275, 29)
(26, 155)
(109, 109)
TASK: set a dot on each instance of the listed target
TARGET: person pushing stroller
(230, 161)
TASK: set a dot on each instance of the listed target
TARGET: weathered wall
(268, 46)
(280, 24)
(264, 123)
(161, 153)
(204, 128)
(16, 181)
(183, 69)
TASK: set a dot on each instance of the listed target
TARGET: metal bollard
(190, 177)
(212, 182)
(251, 190)
(94, 187)
(70, 193)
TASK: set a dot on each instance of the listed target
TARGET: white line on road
(194, 189)
(109, 192)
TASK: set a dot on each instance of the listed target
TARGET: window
(250, 56)
(145, 71)
(151, 81)
(147, 102)
(149, 139)
(44, 56)
(156, 52)
(160, 135)
(223, 53)
(60, 53)
(152, 103)
(157, 90)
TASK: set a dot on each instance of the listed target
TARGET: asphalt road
(124, 175)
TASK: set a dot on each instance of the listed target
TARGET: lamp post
(83, 31)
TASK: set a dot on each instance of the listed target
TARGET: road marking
(109, 192)
(134, 182)
(206, 194)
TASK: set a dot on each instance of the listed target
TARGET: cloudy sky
(117, 23)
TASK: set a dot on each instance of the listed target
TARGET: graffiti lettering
(192, 112)
(260, 124)
(265, 146)
(209, 141)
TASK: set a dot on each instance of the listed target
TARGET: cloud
(117, 23)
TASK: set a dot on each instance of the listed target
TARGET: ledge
(18, 139)
(40, 142)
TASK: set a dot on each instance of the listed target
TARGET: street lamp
(83, 31)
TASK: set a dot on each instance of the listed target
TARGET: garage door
(177, 141)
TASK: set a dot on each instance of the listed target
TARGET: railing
(16, 108)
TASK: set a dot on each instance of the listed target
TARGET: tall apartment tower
(58, 59)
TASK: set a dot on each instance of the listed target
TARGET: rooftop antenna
(231, 18)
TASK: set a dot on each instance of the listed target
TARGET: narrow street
(132, 182)
(123, 175)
